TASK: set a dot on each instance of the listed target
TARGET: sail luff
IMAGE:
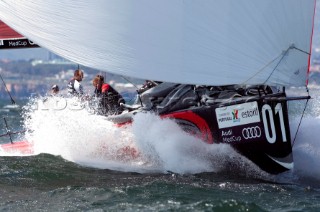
(311, 39)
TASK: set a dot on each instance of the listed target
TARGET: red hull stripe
(195, 119)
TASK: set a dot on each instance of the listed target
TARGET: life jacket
(110, 100)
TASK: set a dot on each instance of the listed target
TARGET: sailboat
(225, 64)
(10, 39)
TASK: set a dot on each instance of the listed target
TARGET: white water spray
(306, 147)
(148, 144)
(152, 144)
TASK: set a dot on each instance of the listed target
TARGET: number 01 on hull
(257, 128)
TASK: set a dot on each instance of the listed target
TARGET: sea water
(83, 162)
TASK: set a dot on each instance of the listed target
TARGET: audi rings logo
(251, 132)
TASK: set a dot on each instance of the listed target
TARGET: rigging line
(259, 71)
(13, 133)
(130, 82)
(12, 101)
(8, 130)
(305, 107)
(283, 55)
(135, 87)
(301, 50)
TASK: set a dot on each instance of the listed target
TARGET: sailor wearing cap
(54, 89)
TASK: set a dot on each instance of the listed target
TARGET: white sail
(212, 42)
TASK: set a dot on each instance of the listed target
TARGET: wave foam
(149, 144)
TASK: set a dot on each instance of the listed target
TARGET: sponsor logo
(250, 113)
(226, 133)
(235, 115)
(251, 132)
(225, 119)
(224, 114)
(231, 139)
(31, 42)
(18, 43)
(21, 43)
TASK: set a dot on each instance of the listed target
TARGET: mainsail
(203, 42)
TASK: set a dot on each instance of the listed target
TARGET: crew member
(110, 99)
(147, 85)
(74, 86)
(54, 90)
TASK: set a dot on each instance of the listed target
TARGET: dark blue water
(63, 176)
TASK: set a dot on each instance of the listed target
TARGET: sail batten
(194, 42)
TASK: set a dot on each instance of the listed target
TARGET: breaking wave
(306, 145)
(152, 144)
(149, 144)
